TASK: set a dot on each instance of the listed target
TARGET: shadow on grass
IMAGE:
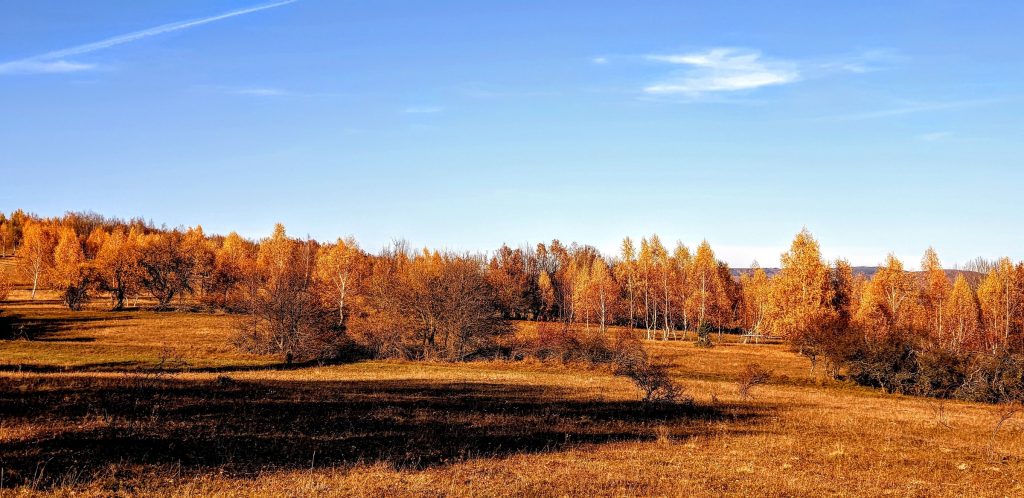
(143, 367)
(44, 328)
(93, 424)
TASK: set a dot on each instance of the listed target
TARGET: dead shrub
(655, 383)
(752, 375)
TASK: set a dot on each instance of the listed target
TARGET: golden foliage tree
(963, 318)
(626, 272)
(69, 273)
(802, 294)
(682, 261)
(999, 295)
(285, 315)
(430, 305)
(935, 292)
(117, 265)
(35, 254)
(234, 265)
(546, 289)
(890, 303)
(708, 296)
(338, 268)
(756, 296)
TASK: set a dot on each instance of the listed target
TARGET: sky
(880, 126)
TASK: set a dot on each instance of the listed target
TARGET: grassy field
(138, 402)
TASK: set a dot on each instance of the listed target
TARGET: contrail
(146, 33)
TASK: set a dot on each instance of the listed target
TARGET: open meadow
(99, 403)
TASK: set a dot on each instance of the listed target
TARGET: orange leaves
(802, 293)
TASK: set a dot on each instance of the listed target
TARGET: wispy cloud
(43, 67)
(54, 61)
(722, 70)
(423, 110)
(599, 60)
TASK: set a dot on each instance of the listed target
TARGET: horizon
(464, 126)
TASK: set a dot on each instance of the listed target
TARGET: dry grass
(87, 415)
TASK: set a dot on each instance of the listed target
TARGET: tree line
(903, 331)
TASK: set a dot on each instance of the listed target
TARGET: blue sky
(881, 126)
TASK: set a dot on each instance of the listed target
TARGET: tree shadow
(44, 328)
(94, 424)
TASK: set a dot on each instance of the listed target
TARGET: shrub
(654, 381)
(704, 336)
(558, 342)
(994, 378)
(890, 363)
(752, 375)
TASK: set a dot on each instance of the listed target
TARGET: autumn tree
(647, 279)
(69, 273)
(546, 290)
(663, 269)
(963, 318)
(890, 303)
(603, 284)
(285, 316)
(844, 290)
(934, 293)
(5, 235)
(999, 295)
(756, 295)
(430, 305)
(626, 270)
(338, 268)
(508, 275)
(595, 292)
(167, 269)
(682, 261)
(117, 265)
(708, 297)
(35, 254)
(200, 254)
(233, 270)
(801, 305)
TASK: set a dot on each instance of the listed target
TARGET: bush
(704, 336)
(994, 378)
(752, 375)
(558, 342)
(890, 363)
(900, 363)
(654, 381)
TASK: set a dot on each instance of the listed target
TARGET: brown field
(138, 402)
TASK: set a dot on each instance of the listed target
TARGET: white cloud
(51, 62)
(43, 67)
(599, 60)
(423, 109)
(723, 70)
